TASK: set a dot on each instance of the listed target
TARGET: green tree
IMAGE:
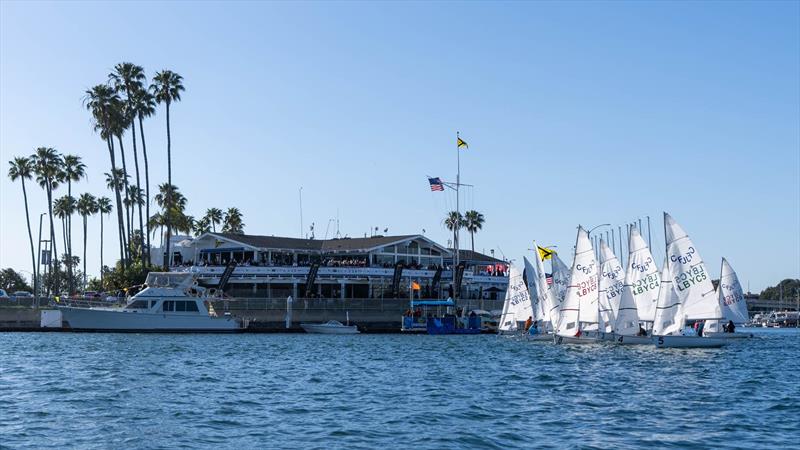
(213, 217)
(787, 289)
(87, 206)
(64, 207)
(201, 226)
(232, 222)
(144, 105)
(22, 169)
(167, 87)
(453, 222)
(103, 207)
(74, 170)
(47, 166)
(101, 101)
(11, 281)
(473, 222)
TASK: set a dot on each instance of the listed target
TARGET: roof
(469, 255)
(320, 245)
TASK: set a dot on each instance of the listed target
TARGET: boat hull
(688, 342)
(722, 334)
(633, 340)
(115, 320)
(324, 329)
(584, 339)
(540, 337)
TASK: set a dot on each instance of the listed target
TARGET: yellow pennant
(545, 253)
(461, 143)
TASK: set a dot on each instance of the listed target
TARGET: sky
(575, 113)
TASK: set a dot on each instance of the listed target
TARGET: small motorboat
(329, 327)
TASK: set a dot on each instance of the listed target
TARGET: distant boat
(732, 304)
(547, 306)
(517, 307)
(579, 310)
(686, 293)
(639, 294)
(170, 302)
(330, 327)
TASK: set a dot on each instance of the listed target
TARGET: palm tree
(213, 217)
(103, 207)
(47, 167)
(167, 87)
(22, 169)
(74, 170)
(144, 105)
(173, 205)
(473, 222)
(233, 221)
(128, 79)
(119, 123)
(101, 100)
(201, 226)
(63, 207)
(87, 205)
(453, 222)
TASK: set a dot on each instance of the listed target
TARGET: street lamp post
(36, 278)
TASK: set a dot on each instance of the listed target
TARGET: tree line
(116, 107)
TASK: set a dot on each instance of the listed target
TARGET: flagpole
(456, 245)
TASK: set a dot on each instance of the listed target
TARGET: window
(191, 306)
(138, 304)
(168, 305)
(180, 306)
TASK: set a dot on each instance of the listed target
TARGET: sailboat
(640, 293)
(547, 309)
(733, 305)
(579, 312)
(560, 274)
(610, 285)
(517, 307)
(688, 295)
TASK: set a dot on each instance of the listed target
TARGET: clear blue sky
(575, 113)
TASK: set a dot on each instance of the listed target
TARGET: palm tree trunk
(138, 187)
(168, 255)
(68, 240)
(102, 272)
(127, 196)
(472, 238)
(53, 248)
(30, 237)
(147, 189)
(84, 253)
(120, 226)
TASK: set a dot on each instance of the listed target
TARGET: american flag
(436, 184)
(549, 280)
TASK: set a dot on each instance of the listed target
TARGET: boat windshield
(169, 279)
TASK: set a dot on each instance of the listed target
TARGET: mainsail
(669, 317)
(531, 282)
(517, 307)
(610, 284)
(580, 302)
(689, 274)
(642, 277)
(731, 295)
(560, 279)
(550, 306)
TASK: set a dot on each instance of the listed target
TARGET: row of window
(168, 306)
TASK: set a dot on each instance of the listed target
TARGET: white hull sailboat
(580, 310)
(639, 293)
(517, 308)
(732, 303)
(633, 340)
(686, 293)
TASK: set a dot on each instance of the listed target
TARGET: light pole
(36, 287)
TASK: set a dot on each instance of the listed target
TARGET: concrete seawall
(267, 315)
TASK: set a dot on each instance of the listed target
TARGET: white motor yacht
(170, 302)
(330, 327)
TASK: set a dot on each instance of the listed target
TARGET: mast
(456, 246)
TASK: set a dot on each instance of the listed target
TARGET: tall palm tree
(473, 222)
(87, 205)
(453, 222)
(173, 205)
(63, 207)
(101, 101)
(144, 105)
(103, 207)
(233, 221)
(128, 79)
(201, 226)
(119, 123)
(47, 167)
(22, 169)
(213, 217)
(74, 170)
(167, 87)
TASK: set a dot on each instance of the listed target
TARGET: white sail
(642, 276)
(533, 290)
(610, 285)
(560, 279)
(731, 295)
(689, 274)
(669, 317)
(580, 302)
(517, 307)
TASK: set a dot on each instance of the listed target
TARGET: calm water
(245, 391)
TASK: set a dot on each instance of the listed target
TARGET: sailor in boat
(729, 328)
(642, 331)
(528, 323)
(534, 328)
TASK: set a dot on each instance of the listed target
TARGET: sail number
(585, 269)
(689, 278)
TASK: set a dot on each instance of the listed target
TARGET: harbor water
(99, 390)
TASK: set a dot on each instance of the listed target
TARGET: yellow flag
(544, 253)
(461, 143)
